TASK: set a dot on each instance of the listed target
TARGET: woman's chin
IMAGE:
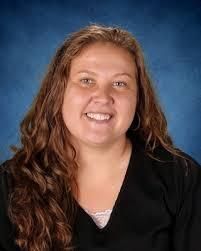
(98, 141)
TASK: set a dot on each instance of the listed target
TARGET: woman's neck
(105, 161)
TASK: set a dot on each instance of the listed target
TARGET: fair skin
(101, 84)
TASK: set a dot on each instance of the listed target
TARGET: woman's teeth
(98, 116)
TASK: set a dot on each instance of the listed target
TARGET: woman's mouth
(98, 117)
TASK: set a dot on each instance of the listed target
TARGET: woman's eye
(86, 81)
(120, 84)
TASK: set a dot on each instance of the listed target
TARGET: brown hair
(44, 168)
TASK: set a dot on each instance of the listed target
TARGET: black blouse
(158, 208)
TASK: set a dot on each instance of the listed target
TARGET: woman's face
(100, 98)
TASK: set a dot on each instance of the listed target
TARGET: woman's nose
(103, 95)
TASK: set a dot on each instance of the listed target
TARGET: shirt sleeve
(187, 226)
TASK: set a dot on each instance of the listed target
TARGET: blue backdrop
(169, 33)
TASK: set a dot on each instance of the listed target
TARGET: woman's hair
(41, 204)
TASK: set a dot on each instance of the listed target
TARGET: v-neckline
(118, 198)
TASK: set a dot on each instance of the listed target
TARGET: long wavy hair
(41, 204)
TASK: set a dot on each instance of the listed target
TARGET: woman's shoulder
(4, 174)
(164, 162)
(176, 177)
(5, 184)
(182, 162)
(174, 169)
(6, 229)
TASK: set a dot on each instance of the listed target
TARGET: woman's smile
(99, 118)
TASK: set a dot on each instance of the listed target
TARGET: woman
(97, 169)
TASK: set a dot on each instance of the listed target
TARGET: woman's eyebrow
(87, 71)
(115, 75)
(124, 74)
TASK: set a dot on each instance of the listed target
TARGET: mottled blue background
(169, 33)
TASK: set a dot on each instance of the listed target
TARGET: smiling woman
(101, 88)
(97, 169)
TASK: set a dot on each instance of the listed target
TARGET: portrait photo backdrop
(169, 33)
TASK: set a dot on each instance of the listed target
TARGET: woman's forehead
(106, 57)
